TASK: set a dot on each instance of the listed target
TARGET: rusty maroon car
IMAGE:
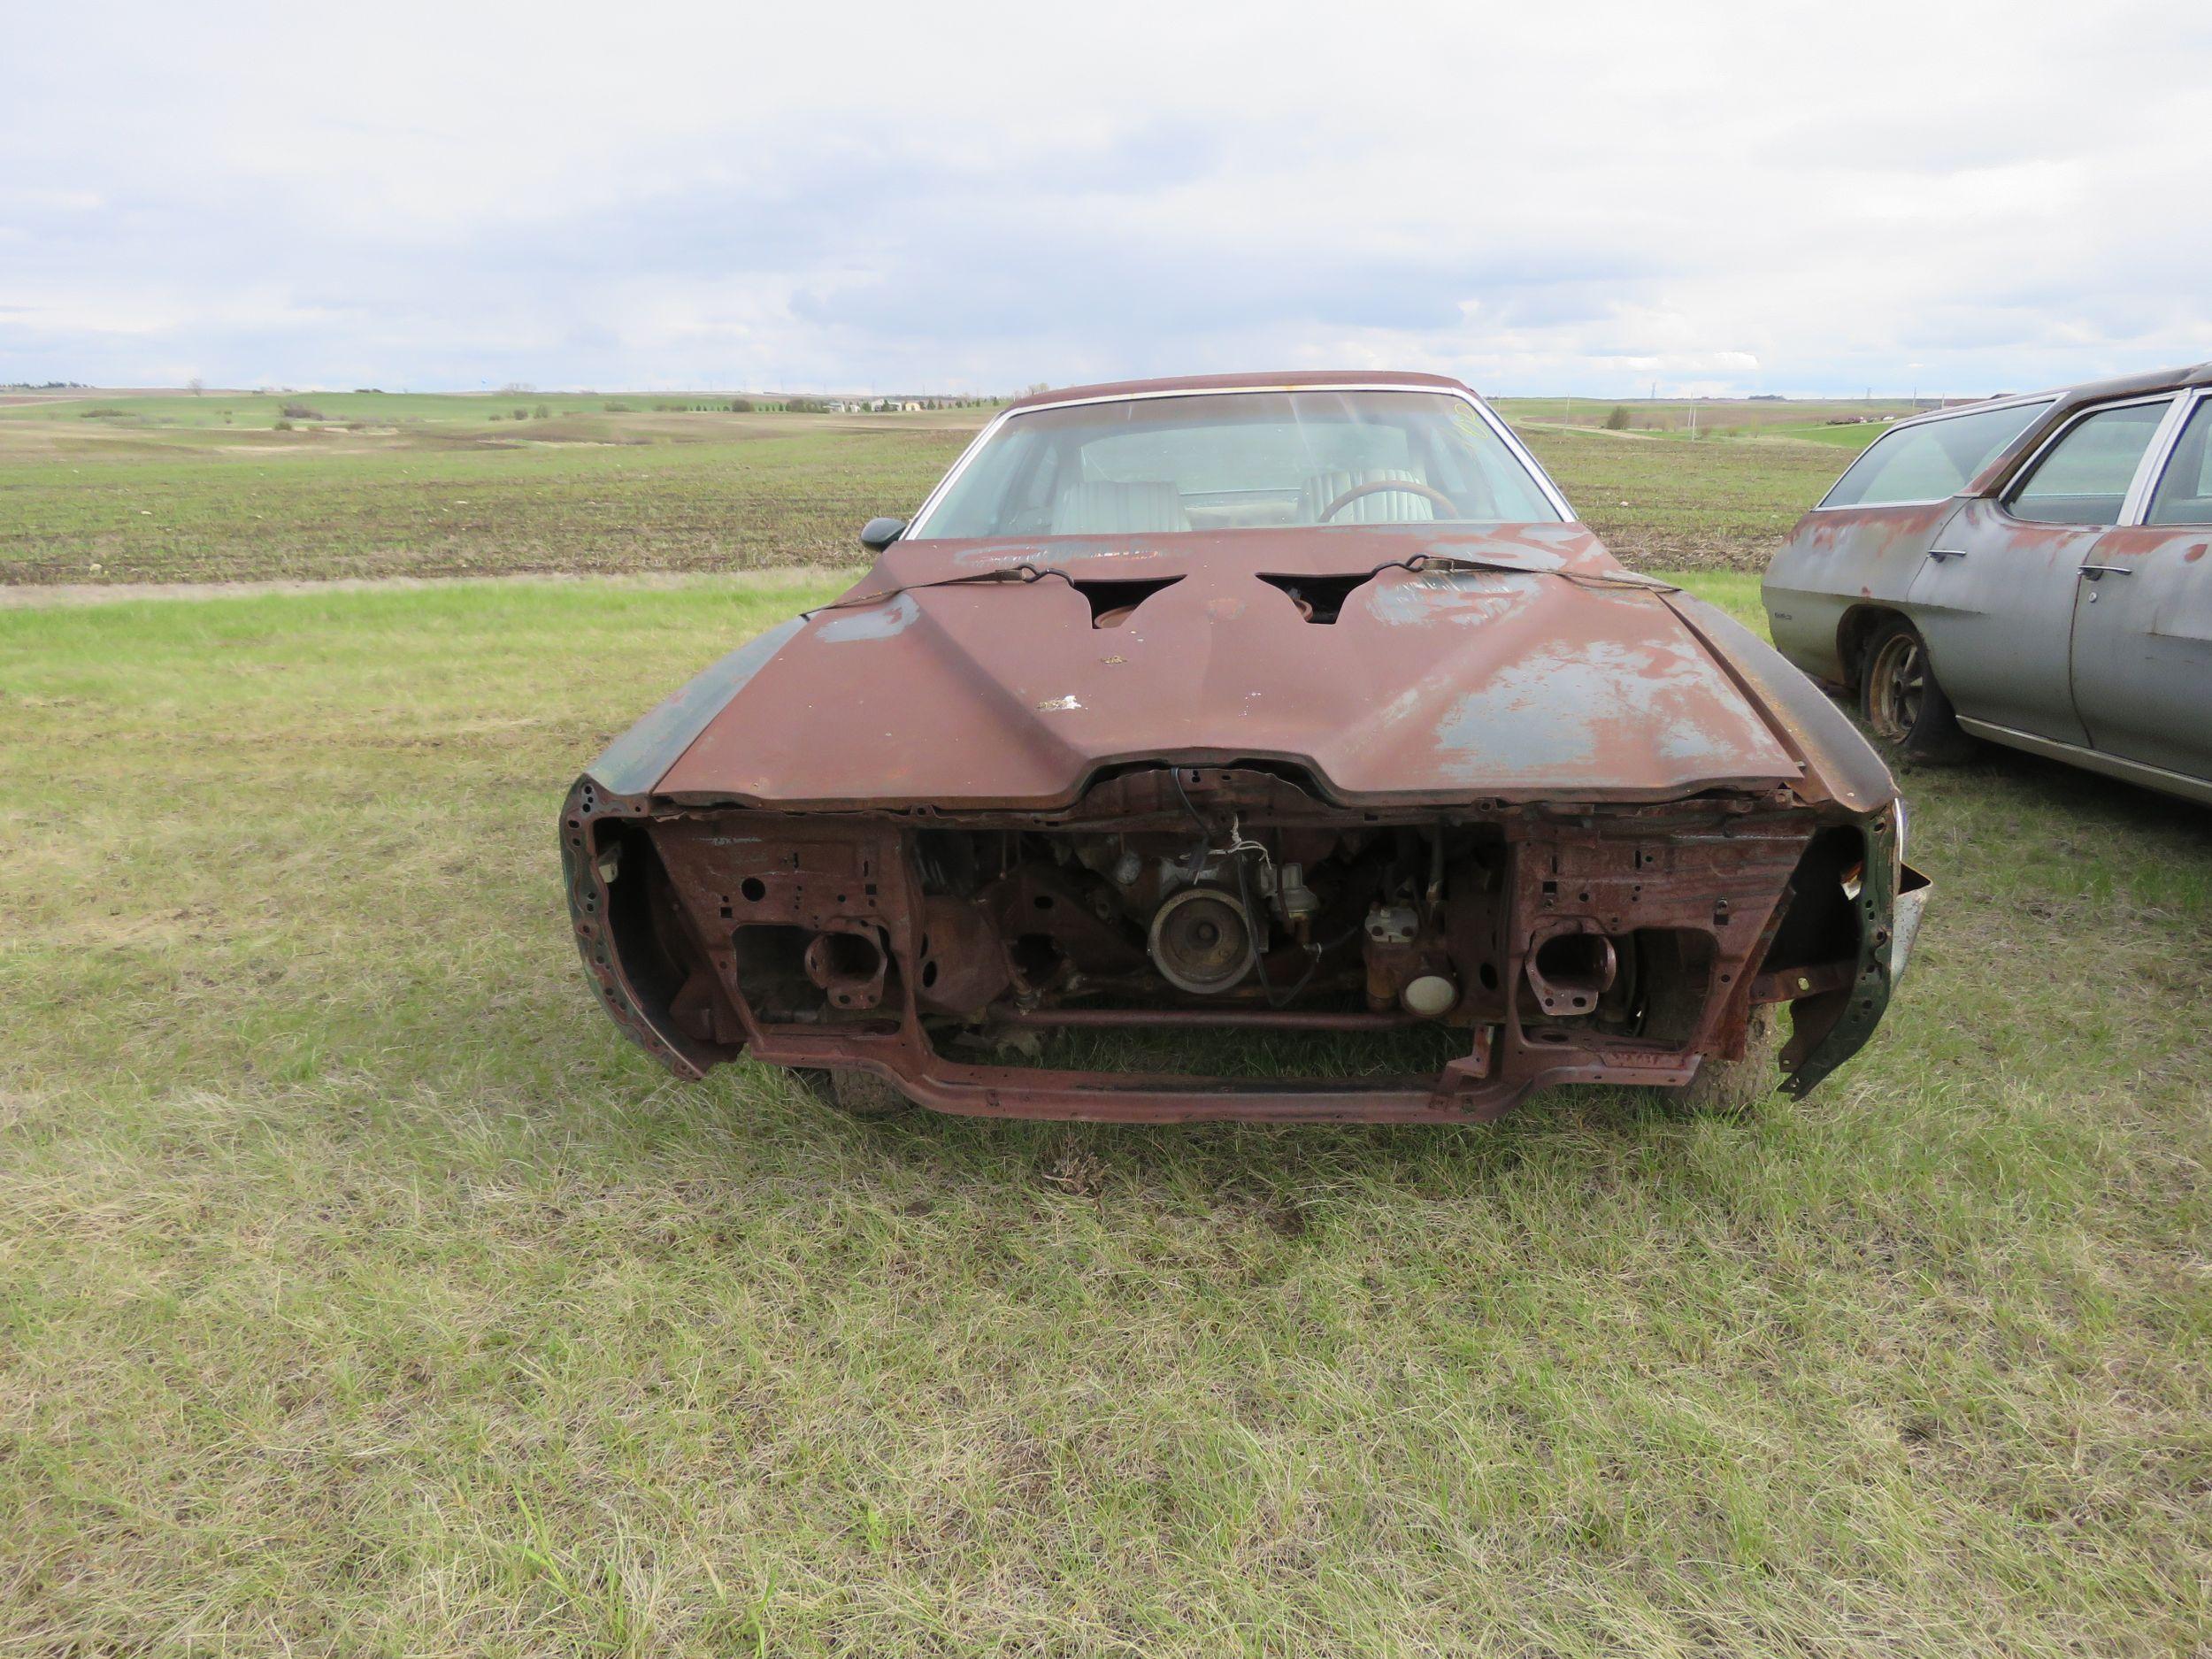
(1292, 711)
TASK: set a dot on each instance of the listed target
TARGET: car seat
(1095, 509)
(1384, 506)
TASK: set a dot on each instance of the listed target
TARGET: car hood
(1514, 664)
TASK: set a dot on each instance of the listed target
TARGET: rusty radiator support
(1200, 1018)
(1622, 945)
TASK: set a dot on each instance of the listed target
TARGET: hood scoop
(1111, 602)
(1318, 598)
(1388, 684)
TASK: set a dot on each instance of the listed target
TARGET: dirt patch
(1646, 550)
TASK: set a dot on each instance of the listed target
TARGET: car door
(1995, 595)
(1871, 532)
(2142, 649)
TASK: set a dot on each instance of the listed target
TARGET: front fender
(1839, 762)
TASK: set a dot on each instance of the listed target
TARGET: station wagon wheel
(1903, 701)
(1897, 685)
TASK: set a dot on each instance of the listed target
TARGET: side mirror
(879, 534)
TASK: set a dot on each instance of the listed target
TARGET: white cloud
(1744, 195)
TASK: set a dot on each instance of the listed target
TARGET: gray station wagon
(2033, 570)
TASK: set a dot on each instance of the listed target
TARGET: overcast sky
(1565, 196)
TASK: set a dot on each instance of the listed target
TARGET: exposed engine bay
(1599, 944)
(1285, 723)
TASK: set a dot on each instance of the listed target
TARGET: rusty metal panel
(1996, 609)
(1546, 670)
(2142, 647)
(636, 760)
(1838, 764)
(1837, 563)
(1479, 785)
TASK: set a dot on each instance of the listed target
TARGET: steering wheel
(1377, 488)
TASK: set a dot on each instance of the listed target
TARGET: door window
(1931, 460)
(2184, 489)
(2084, 478)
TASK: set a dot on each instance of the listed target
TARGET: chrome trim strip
(2157, 778)
(1875, 506)
(1490, 418)
(952, 476)
(2137, 510)
(2138, 500)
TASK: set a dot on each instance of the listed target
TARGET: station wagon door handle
(1938, 554)
(2094, 571)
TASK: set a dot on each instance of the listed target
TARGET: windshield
(1239, 460)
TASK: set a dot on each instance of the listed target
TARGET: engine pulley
(1202, 941)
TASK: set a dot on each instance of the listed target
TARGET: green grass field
(162, 490)
(105, 502)
(1678, 417)
(361, 1291)
(259, 412)
(1720, 504)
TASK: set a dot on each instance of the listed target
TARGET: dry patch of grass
(361, 1291)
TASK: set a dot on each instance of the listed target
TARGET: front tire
(857, 1094)
(1898, 693)
(1731, 1088)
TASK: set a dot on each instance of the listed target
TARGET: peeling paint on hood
(1508, 675)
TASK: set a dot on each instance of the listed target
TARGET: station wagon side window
(1931, 460)
(2184, 489)
(2084, 478)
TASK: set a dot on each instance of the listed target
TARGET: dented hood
(1518, 663)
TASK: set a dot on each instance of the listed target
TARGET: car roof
(2128, 385)
(1274, 380)
(2062, 403)
(2066, 400)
